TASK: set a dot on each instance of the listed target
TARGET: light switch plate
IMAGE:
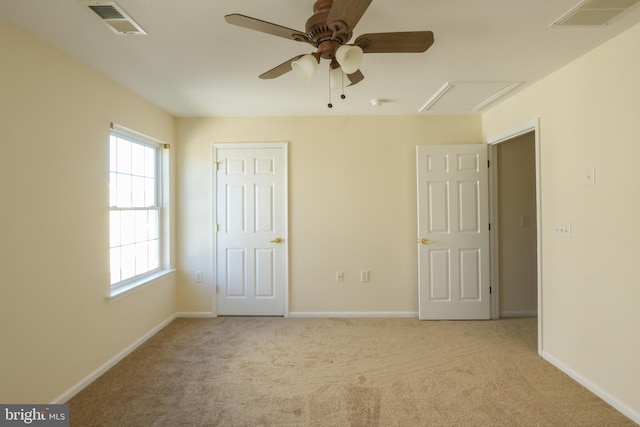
(590, 176)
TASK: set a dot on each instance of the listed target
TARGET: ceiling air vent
(595, 12)
(115, 18)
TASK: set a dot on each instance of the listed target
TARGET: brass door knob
(425, 241)
(277, 240)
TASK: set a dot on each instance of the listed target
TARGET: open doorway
(517, 227)
(515, 224)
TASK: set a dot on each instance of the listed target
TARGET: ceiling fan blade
(356, 77)
(266, 27)
(347, 11)
(409, 41)
(281, 69)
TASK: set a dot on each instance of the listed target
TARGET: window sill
(130, 288)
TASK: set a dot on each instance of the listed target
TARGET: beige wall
(589, 114)
(517, 226)
(57, 327)
(352, 205)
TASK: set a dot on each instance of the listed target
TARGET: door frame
(285, 209)
(492, 142)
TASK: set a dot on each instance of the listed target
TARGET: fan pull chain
(342, 95)
(330, 105)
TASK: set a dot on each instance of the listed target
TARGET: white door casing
(250, 209)
(453, 232)
(526, 127)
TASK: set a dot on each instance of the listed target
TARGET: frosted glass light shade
(305, 67)
(350, 58)
(338, 78)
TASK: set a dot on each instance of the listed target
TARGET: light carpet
(252, 371)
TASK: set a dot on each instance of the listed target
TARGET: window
(135, 207)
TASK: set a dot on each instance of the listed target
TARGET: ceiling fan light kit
(350, 58)
(305, 67)
(338, 79)
(329, 30)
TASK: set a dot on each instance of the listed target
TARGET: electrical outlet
(198, 275)
(562, 230)
(339, 276)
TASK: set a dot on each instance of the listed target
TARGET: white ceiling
(192, 63)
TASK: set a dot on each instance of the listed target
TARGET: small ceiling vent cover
(595, 12)
(115, 18)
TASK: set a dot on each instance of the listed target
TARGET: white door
(453, 232)
(250, 187)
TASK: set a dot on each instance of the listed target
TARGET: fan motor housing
(325, 39)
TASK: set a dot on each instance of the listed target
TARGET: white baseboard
(64, 397)
(355, 314)
(627, 411)
(519, 313)
(194, 314)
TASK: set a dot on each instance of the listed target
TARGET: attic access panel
(467, 96)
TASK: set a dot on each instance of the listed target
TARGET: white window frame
(123, 287)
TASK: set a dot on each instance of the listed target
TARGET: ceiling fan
(329, 30)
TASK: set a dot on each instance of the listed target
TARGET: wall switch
(562, 230)
(198, 275)
(590, 176)
(339, 276)
(364, 276)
